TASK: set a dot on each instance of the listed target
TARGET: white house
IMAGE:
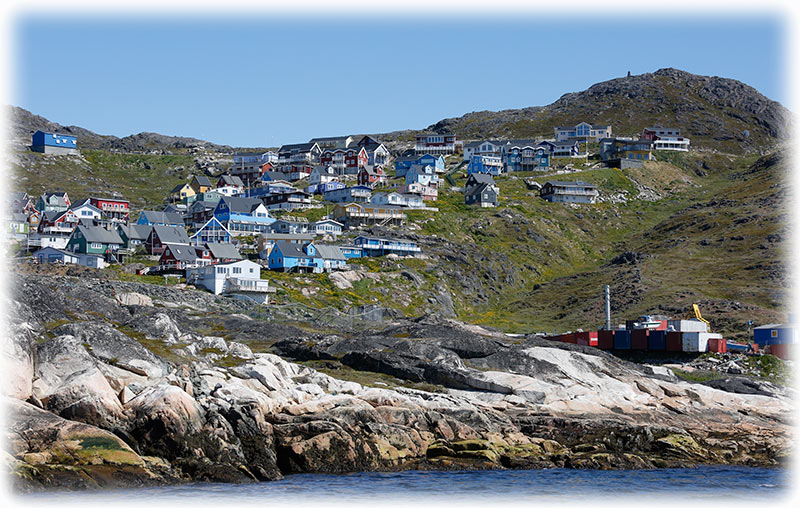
(388, 198)
(86, 211)
(52, 255)
(327, 227)
(240, 279)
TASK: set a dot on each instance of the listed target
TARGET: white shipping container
(697, 342)
(687, 325)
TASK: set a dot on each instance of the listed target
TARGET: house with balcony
(651, 133)
(211, 232)
(345, 161)
(295, 172)
(389, 198)
(423, 175)
(354, 194)
(58, 222)
(327, 227)
(113, 209)
(229, 185)
(321, 174)
(238, 279)
(333, 142)
(371, 176)
(582, 130)
(295, 257)
(243, 216)
(486, 164)
(435, 144)
(372, 246)
(178, 258)
(569, 192)
(525, 155)
(487, 147)
(325, 187)
(403, 164)
(356, 214)
(266, 241)
(377, 153)
(292, 225)
(299, 153)
(563, 149)
(676, 144)
(424, 192)
(632, 149)
(288, 200)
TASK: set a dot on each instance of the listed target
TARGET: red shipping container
(586, 338)
(639, 339)
(780, 350)
(717, 346)
(755, 347)
(554, 337)
(569, 337)
(605, 339)
(674, 341)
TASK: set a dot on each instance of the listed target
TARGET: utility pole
(608, 307)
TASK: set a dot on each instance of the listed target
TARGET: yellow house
(181, 192)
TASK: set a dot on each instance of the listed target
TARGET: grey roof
(330, 138)
(136, 231)
(176, 208)
(183, 252)
(300, 147)
(231, 180)
(18, 217)
(162, 217)
(202, 180)
(51, 215)
(200, 203)
(274, 175)
(479, 189)
(329, 220)
(287, 236)
(480, 178)
(177, 188)
(565, 143)
(170, 234)
(577, 183)
(292, 250)
(330, 252)
(19, 196)
(97, 234)
(241, 205)
(223, 251)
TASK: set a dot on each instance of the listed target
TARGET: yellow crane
(700, 317)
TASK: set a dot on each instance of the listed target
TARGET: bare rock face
(18, 356)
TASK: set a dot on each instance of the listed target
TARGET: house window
(96, 245)
(774, 333)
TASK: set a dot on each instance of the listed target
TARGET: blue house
(403, 164)
(243, 216)
(423, 175)
(292, 257)
(768, 335)
(350, 251)
(51, 143)
(526, 157)
(322, 188)
(372, 246)
(211, 232)
(486, 164)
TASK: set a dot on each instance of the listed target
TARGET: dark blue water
(715, 483)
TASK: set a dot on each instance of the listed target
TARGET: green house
(93, 240)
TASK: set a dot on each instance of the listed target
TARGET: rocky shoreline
(122, 384)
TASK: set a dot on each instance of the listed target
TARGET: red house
(345, 161)
(115, 210)
(371, 177)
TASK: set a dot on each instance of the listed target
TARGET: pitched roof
(170, 234)
(241, 205)
(330, 252)
(480, 178)
(273, 175)
(577, 183)
(202, 180)
(287, 236)
(182, 252)
(97, 234)
(223, 251)
(232, 180)
(136, 231)
(291, 250)
(157, 217)
(178, 187)
(300, 147)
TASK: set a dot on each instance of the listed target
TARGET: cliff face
(115, 377)
(717, 113)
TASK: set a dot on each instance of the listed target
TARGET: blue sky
(264, 81)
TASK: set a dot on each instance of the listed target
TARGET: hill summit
(716, 113)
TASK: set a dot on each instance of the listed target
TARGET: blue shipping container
(657, 340)
(778, 334)
(622, 339)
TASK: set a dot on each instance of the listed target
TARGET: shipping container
(639, 339)
(717, 346)
(687, 325)
(657, 340)
(774, 334)
(569, 337)
(780, 350)
(674, 341)
(622, 339)
(605, 339)
(586, 338)
(697, 342)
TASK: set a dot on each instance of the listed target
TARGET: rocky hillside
(24, 123)
(126, 384)
(716, 113)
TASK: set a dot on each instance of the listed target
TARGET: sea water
(706, 483)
